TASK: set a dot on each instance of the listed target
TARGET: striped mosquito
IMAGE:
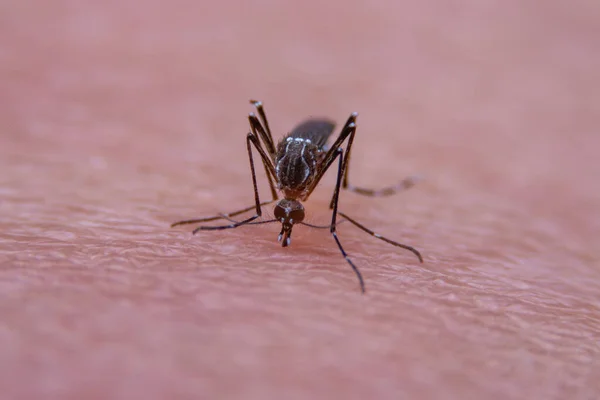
(294, 168)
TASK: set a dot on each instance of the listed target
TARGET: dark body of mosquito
(294, 168)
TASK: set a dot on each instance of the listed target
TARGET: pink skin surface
(120, 117)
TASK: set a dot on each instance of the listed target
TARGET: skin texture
(119, 118)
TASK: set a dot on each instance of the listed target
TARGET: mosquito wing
(317, 130)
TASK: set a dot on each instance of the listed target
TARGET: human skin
(119, 118)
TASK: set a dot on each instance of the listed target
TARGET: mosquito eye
(297, 215)
(279, 212)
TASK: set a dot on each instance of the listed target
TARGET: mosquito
(294, 168)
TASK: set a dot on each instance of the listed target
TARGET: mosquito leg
(378, 236)
(261, 222)
(251, 140)
(336, 194)
(386, 191)
(226, 217)
(258, 131)
(270, 171)
(263, 117)
(329, 158)
(346, 131)
(406, 183)
(321, 226)
(220, 216)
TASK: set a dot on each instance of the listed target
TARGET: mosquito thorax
(295, 164)
(289, 211)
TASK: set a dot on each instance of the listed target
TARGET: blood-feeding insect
(294, 168)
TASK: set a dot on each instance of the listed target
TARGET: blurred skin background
(120, 117)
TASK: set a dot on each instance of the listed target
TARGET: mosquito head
(288, 212)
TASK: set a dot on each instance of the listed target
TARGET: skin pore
(119, 119)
